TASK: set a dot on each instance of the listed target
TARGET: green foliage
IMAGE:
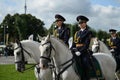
(8, 72)
(51, 29)
(23, 25)
(118, 34)
(74, 28)
(102, 35)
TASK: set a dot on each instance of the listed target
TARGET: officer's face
(82, 25)
(59, 23)
(113, 34)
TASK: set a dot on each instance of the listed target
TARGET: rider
(114, 46)
(61, 30)
(81, 44)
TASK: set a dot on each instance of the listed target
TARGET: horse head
(95, 46)
(53, 49)
(99, 46)
(45, 56)
(20, 60)
(23, 50)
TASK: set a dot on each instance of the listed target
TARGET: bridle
(98, 46)
(63, 66)
(22, 52)
(51, 47)
(22, 61)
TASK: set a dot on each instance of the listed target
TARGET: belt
(113, 46)
(79, 45)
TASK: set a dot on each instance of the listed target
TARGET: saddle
(95, 70)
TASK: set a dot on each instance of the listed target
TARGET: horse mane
(59, 41)
(30, 41)
(104, 47)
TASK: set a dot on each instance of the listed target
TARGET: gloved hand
(77, 53)
(112, 50)
(73, 50)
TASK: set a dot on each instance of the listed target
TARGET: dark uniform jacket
(63, 33)
(115, 42)
(83, 38)
(81, 42)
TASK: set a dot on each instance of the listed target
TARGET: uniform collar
(59, 27)
(113, 37)
(82, 29)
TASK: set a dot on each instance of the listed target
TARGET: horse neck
(62, 53)
(33, 49)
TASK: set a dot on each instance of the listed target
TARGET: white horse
(54, 48)
(25, 49)
(99, 46)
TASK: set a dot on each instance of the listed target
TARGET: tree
(74, 29)
(23, 25)
(51, 29)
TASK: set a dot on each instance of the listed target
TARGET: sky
(102, 14)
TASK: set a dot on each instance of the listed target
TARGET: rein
(65, 68)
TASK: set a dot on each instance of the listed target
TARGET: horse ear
(48, 37)
(30, 37)
(39, 37)
(70, 41)
(17, 41)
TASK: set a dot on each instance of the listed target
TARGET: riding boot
(85, 75)
(86, 68)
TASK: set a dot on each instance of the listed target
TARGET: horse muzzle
(44, 64)
(20, 67)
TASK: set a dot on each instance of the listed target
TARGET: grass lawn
(8, 72)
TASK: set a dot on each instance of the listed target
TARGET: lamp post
(4, 33)
(7, 35)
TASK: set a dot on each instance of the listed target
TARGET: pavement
(10, 60)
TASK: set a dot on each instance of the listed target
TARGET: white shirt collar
(59, 27)
(82, 29)
(114, 37)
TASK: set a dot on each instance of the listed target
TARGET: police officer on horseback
(80, 46)
(61, 30)
(114, 46)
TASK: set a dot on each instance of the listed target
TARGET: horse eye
(47, 49)
(18, 53)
